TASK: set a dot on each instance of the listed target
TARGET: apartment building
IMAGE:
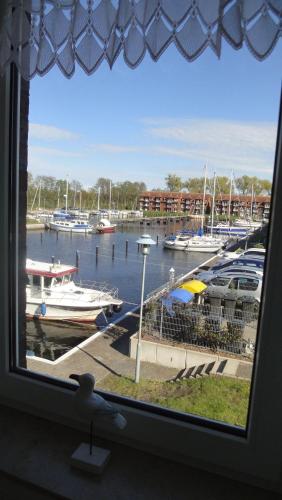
(241, 206)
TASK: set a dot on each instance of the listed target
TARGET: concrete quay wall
(183, 358)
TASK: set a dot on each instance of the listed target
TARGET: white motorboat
(51, 294)
(177, 242)
(73, 226)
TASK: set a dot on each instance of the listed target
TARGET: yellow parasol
(194, 286)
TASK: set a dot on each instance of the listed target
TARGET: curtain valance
(38, 34)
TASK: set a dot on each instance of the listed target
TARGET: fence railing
(204, 325)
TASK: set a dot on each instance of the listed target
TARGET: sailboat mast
(204, 198)
(98, 199)
(67, 192)
(34, 198)
(58, 200)
(39, 196)
(213, 199)
(230, 196)
(252, 200)
(110, 196)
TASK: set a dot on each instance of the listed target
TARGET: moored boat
(226, 229)
(248, 224)
(176, 242)
(74, 226)
(204, 244)
(105, 226)
(51, 294)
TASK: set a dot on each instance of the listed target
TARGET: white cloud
(114, 148)
(245, 146)
(50, 133)
(45, 151)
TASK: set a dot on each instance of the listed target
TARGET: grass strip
(218, 398)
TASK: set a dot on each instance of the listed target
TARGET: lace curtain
(38, 34)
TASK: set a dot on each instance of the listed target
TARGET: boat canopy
(177, 295)
(181, 295)
(105, 222)
(50, 270)
(194, 286)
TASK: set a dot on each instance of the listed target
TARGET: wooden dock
(149, 221)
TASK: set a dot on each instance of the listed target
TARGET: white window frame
(256, 456)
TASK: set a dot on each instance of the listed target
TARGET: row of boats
(77, 221)
(194, 243)
(217, 238)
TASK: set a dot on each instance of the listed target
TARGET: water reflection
(52, 340)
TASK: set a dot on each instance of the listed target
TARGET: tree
(255, 185)
(243, 184)
(222, 185)
(173, 182)
(246, 185)
(265, 186)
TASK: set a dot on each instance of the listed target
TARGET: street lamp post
(145, 242)
(171, 276)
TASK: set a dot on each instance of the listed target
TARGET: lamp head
(145, 241)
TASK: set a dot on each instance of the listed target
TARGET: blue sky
(166, 117)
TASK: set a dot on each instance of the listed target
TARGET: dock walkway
(107, 354)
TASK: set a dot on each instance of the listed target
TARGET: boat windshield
(35, 280)
(47, 281)
(58, 281)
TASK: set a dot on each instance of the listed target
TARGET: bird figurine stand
(93, 407)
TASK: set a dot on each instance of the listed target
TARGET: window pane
(114, 157)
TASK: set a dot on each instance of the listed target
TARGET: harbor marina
(123, 272)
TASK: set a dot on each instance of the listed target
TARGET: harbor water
(114, 265)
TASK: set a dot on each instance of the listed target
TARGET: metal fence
(216, 327)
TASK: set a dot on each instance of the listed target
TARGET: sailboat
(241, 227)
(205, 243)
(249, 223)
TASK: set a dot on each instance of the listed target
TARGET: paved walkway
(104, 355)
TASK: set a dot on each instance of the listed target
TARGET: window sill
(38, 452)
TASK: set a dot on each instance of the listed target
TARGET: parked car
(206, 276)
(241, 284)
(242, 261)
(243, 264)
(250, 252)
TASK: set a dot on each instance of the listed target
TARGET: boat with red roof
(51, 294)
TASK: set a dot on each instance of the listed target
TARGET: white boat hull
(174, 246)
(202, 248)
(51, 294)
(53, 313)
(69, 229)
(204, 244)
